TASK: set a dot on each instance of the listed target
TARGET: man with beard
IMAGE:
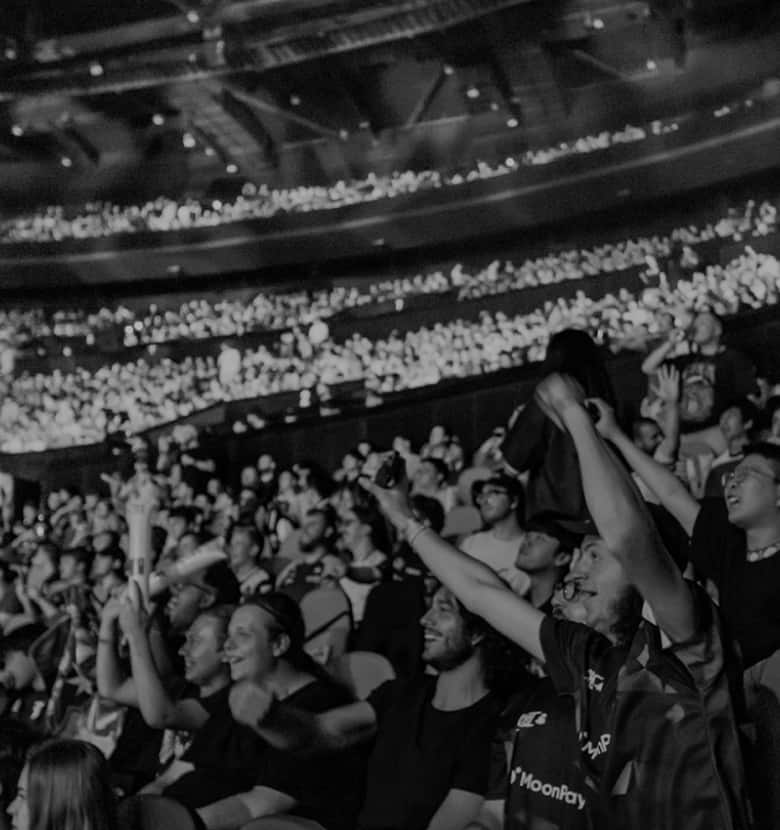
(317, 562)
(428, 766)
(657, 735)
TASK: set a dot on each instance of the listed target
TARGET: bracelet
(413, 530)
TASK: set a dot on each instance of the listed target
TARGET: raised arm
(669, 393)
(111, 681)
(660, 353)
(668, 489)
(156, 705)
(478, 587)
(620, 515)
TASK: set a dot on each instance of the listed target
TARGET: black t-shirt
(327, 788)
(749, 591)
(708, 383)
(535, 444)
(230, 758)
(657, 731)
(224, 754)
(421, 753)
(534, 763)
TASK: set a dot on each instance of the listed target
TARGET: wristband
(413, 530)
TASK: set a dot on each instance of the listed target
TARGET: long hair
(503, 662)
(69, 788)
(573, 352)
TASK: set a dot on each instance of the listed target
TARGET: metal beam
(426, 99)
(253, 99)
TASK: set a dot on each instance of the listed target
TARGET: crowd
(63, 409)
(56, 223)
(200, 318)
(429, 637)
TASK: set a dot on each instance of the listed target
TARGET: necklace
(757, 554)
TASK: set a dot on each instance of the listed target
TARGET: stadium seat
(362, 671)
(328, 619)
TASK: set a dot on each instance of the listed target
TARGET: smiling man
(658, 742)
(428, 767)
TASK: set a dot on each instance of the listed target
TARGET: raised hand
(668, 383)
(393, 501)
(557, 393)
(606, 424)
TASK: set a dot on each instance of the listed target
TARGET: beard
(454, 654)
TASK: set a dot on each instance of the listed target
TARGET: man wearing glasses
(735, 544)
(501, 505)
(646, 669)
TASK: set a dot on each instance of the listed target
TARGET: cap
(285, 612)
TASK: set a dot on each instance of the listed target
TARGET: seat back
(362, 671)
(328, 618)
(153, 812)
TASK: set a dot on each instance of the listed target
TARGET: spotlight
(512, 122)
(158, 119)
(66, 161)
(17, 130)
(472, 92)
(193, 17)
(295, 100)
(188, 140)
(95, 69)
(231, 168)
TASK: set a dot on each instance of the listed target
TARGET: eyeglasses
(738, 476)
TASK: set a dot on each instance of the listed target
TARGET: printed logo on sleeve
(529, 719)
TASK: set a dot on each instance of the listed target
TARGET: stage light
(295, 100)
(66, 161)
(512, 122)
(17, 130)
(95, 69)
(158, 120)
(231, 168)
(193, 17)
(188, 140)
(472, 92)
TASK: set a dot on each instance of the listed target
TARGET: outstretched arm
(620, 514)
(478, 587)
(668, 489)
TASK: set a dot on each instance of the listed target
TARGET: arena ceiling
(281, 90)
